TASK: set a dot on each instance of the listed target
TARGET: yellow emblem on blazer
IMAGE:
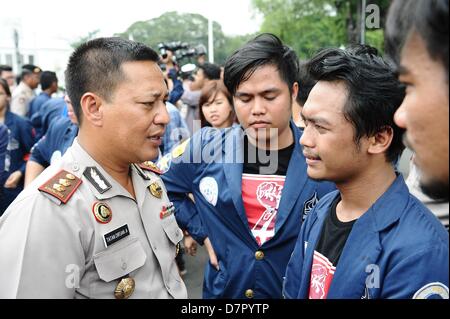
(102, 212)
(124, 288)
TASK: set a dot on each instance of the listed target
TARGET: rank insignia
(102, 212)
(64, 182)
(97, 180)
(167, 211)
(155, 190)
(59, 186)
(150, 166)
(124, 288)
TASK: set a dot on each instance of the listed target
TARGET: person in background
(3, 147)
(216, 106)
(49, 85)
(205, 73)
(20, 141)
(7, 74)
(52, 146)
(305, 85)
(24, 92)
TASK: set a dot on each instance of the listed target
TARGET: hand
(13, 180)
(212, 254)
(190, 245)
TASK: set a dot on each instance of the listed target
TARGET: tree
(190, 28)
(307, 25)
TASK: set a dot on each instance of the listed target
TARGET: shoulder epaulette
(62, 186)
(150, 166)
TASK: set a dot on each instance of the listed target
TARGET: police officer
(24, 92)
(94, 224)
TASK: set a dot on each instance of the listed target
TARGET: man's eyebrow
(315, 119)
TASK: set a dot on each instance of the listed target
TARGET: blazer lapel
(357, 261)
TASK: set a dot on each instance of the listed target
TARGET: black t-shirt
(334, 235)
(257, 161)
(263, 181)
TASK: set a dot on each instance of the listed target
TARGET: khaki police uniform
(20, 99)
(76, 233)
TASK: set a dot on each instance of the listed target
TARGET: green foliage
(308, 26)
(190, 28)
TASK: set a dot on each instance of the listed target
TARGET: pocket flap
(120, 259)
(171, 229)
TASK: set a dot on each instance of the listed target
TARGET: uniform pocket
(120, 259)
(171, 229)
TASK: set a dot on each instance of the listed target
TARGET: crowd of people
(285, 170)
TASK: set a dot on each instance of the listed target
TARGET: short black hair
(305, 83)
(96, 66)
(374, 90)
(265, 49)
(429, 18)
(29, 69)
(5, 68)
(211, 71)
(47, 79)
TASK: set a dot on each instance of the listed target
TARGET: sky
(67, 21)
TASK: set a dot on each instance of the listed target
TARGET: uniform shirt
(36, 104)
(20, 99)
(54, 250)
(397, 249)
(210, 167)
(20, 141)
(54, 144)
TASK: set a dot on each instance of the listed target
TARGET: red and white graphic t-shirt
(261, 195)
(322, 272)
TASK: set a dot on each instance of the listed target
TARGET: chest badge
(124, 288)
(102, 212)
(155, 190)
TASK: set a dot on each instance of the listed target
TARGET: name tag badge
(116, 235)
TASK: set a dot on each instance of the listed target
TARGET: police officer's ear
(294, 91)
(91, 104)
(380, 142)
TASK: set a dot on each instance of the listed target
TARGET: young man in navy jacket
(371, 238)
(249, 182)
